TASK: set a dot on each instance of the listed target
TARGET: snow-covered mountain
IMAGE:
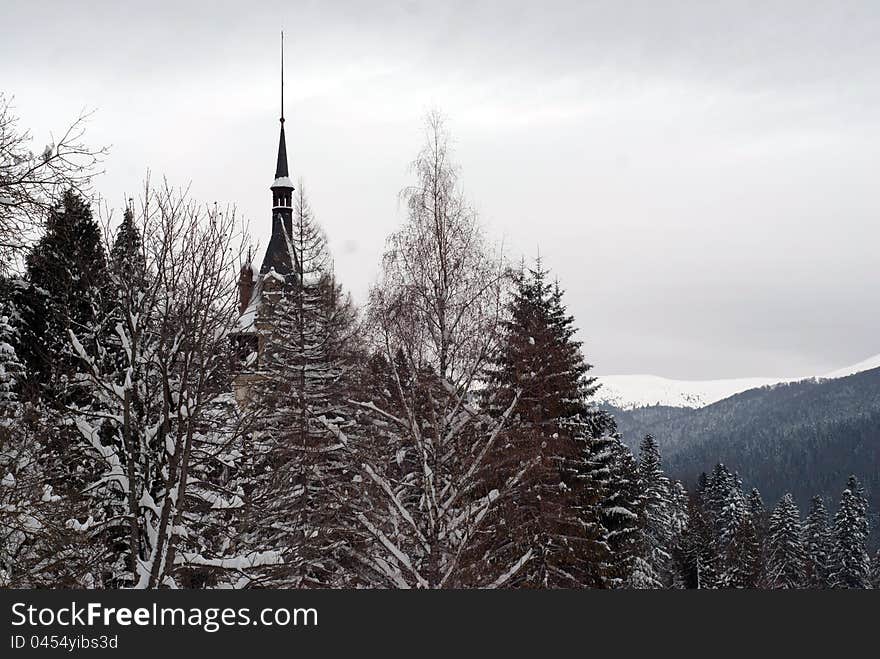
(633, 391)
(869, 364)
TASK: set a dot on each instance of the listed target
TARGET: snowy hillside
(867, 365)
(632, 391)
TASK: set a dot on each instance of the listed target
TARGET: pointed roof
(279, 258)
(282, 175)
(281, 167)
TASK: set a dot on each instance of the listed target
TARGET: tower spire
(281, 166)
(282, 77)
(278, 255)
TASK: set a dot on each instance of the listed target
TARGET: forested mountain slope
(803, 437)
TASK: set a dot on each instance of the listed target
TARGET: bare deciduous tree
(434, 318)
(152, 427)
(30, 183)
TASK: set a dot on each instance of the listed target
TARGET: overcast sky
(702, 177)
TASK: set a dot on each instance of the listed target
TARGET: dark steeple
(281, 167)
(279, 253)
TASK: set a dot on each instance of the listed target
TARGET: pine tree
(725, 507)
(66, 279)
(539, 357)
(126, 253)
(680, 516)
(12, 371)
(758, 513)
(725, 502)
(622, 506)
(555, 511)
(699, 563)
(850, 563)
(300, 485)
(66, 270)
(817, 544)
(657, 518)
(785, 549)
(744, 567)
(875, 571)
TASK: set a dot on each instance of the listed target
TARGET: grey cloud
(702, 176)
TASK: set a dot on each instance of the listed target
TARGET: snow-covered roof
(274, 274)
(248, 318)
(282, 182)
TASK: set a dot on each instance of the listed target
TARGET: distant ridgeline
(804, 437)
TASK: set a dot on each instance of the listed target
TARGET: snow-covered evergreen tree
(725, 507)
(12, 370)
(622, 507)
(302, 465)
(539, 357)
(875, 571)
(785, 548)
(554, 511)
(66, 270)
(44, 541)
(680, 505)
(65, 277)
(744, 558)
(817, 544)
(656, 524)
(127, 250)
(850, 563)
(726, 503)
(698, 561)
(758, 513)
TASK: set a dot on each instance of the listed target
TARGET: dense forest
(802, 437)
(442, 436)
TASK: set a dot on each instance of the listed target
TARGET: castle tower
(279, 269)
(280, 254)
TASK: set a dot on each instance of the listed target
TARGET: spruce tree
(680, 516)
(12, 371)
(817, 544)
(300, 474)
(725, 507)
(555, 513)
(758, 512)
(785, 549)
(850, 563)
(126, 253)
(726, 504)
(744, 567)
(698, 562)
(540, 357)
(657, 517)
(128, 278)
(66, 270)
(621, 506)
(875, 571)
